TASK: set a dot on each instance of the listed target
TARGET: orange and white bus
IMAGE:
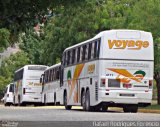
(114, 68)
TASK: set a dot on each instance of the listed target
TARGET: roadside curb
(149, 111)
(139, 110)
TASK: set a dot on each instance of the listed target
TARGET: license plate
(126, 95)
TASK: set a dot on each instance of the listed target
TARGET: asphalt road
(52, 113)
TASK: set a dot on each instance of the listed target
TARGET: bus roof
(53, 66)
(30, 66)
(100, 35)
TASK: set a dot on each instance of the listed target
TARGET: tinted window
(11, 88)
(18, 75)
(73, 56)
(89, 51)
(68, 57)
(78, 55)
(84, 52)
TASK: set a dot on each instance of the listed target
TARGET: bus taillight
(150, 84)
(103, 82)
(24, 90)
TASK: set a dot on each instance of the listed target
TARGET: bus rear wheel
(87, 102)
(45, 100)
(7, 104)
(19, 102)
(67, 107)
(55, 101)
(130, 108)
(83, 103)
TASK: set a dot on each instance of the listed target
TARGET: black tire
(130, 108)
(103, 108)
(19, 103)
(7, 104)
(55, 99)
(67, 107)
(14, 100)
(37, 104)
(83, 100)
(87, 102)
(23, 104)
(45, 101)
(134, 108)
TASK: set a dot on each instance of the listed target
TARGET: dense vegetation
(71, 22)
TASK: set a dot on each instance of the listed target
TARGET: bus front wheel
(67, 107)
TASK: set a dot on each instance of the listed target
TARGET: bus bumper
(29, 98)
(115, 97)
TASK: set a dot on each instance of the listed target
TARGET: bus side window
(89, 51)
(51, 75)
(43, 79)
(86, 52)
(98, 48)
(78, 54)
(54, 74)
(47, 76)
(73, 56)
(95, 49)
(57, 75)
(65, 59)
(68, 57)
(83, 52)
(92, 50)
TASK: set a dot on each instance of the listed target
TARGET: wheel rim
(83, 100)
(87, 102)
(45, 100)
(54, 99)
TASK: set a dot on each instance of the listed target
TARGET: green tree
(79, 21)
(9, 66)
(4, 39)
(145, 16)
(32, 44)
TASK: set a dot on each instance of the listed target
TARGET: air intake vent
(96, 91)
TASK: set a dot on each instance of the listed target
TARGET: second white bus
(50, 85)
(28, 89)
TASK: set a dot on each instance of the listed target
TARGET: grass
(153, 107)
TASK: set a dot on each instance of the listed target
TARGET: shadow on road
(109, 111)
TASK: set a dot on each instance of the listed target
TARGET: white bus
(50, 85)
(115, 68)
(28, 89)
(8, 95)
